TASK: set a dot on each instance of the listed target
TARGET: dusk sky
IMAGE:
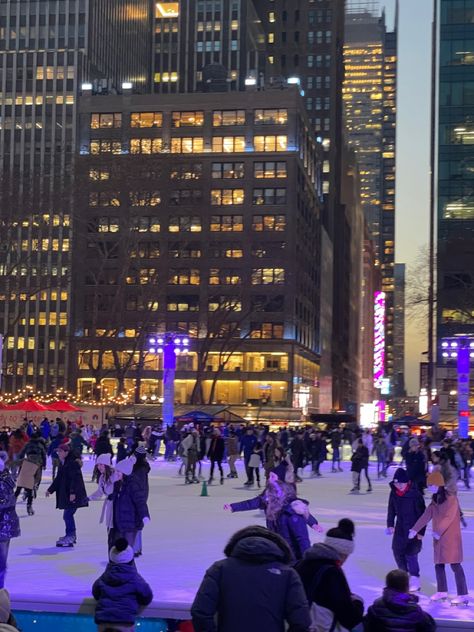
(413, 129)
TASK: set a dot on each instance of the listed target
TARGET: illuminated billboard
(379, 339)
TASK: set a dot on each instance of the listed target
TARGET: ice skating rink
(188, 532)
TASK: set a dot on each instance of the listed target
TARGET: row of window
(220, 118)
(189, 145)
(192, 276)
(219, 171)
(219, 197)
(193, 224)
(216, 250)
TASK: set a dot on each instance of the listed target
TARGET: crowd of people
(308, 587)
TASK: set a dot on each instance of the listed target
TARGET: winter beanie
(400, 476)
(435, 478)
(5, 605)
(104, 459)
(126, 465)
(122, 552)
(141, 448)
(342, 537)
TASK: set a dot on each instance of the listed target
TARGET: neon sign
(379, 339)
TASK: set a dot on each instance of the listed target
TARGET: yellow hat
(436, 479)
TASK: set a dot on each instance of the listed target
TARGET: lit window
(269, 223)
(271, 117)
(167, 10)
(146, 224)
(225, 197)
(146, 119)
(228, 117)
(105, 147)
(146, 145)
(228, 144)
(106, 121)
(270, 169)
(184, 276)
(191, 145)
(145, 198)
(270, 143)
(268, 276)
(188, 119)
(185, 223)
(222, 276)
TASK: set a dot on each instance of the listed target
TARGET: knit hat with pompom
(341, 538)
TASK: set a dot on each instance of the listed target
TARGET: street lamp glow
(445, 354)
(160, 350)
(454, 345)
(185, 341)
(445, 344)
(454, 354)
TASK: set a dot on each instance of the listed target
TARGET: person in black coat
(360, 463)
(297, 449)
(9, 522)
(130, 510)
(102, 446)
(120, 591)
(216, 454)
(397, 610)
(405, 506)
(140, 472)
(416, 464)
(252, 589)
(70, 491)
(317, 452)
(324, 580)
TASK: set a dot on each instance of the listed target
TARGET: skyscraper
(398, 385)
(370, 91)
(455, 219)
(204, 45)
(47, 50)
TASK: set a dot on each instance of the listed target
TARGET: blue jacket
(397, 612)
(247, 443)
(120, 593)
(290, 524)
(253, 589)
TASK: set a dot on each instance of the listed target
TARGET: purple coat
(291, 523)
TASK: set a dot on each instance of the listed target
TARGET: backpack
(322, 619)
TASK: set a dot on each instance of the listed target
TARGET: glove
(436, 536)
(389, 531)
(146, 520)
(411, 534)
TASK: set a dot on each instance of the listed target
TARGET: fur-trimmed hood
(258, 544)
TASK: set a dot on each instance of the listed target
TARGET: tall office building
(206, 45)
(369, 93)
(398, 385)
(204, 219)
(455, 246)
(47, 50)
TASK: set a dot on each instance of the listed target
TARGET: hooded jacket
(403, 512)
(129, 504)
(253, 589)
(291, 523)
(332, 591)
(397, 612)
(120, 592)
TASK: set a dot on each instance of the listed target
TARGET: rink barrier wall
(44, 615)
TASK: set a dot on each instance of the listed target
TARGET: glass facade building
(455, 284)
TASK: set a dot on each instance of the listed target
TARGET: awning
(182, 413)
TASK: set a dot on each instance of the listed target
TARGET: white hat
(126, 465)
(122, 552)
(104, 459)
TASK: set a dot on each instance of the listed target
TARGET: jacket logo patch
(275, 571)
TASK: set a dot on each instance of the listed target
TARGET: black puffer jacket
(403, 512)
(9, 523)
(129, 504)
(332, 590)
(253, 589)
(69, 482)
(35, 451)
(397, 612)
(120, 592)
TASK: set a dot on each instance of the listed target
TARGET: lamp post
(461, 349)
(170, 345)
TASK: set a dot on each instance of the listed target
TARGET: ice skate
(222, 480)
(209, 482)
(439, 596)
(67, 541)
(354, 490)
(414, 583)
(30, 510)
(369, 489)
(460, 600)
(195, 480)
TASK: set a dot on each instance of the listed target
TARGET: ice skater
(444, 512)
(105, 488)
(70, 491)
(256, 459)
(405, 506)
(360, 463)
(285, 514)
(9, 523)
(216, 454)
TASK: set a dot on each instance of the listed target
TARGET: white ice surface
(187, 533)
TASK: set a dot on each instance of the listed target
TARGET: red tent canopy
(28, 406)
(64, 407)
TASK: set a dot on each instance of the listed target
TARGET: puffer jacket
(332, 590)
(253, 589)
(35, 451)
(9, 522)
(397, 612)
(120, 593)
(129, 504)
(69, 482)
